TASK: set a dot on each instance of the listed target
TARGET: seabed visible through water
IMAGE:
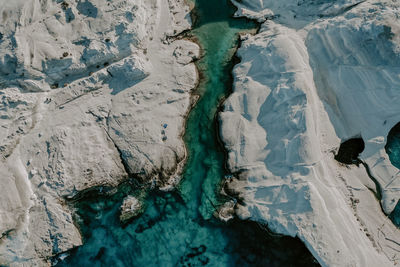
(177, 228)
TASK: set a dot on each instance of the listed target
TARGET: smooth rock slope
(91, 91)
(317, 73)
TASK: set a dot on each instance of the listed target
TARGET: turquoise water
(177, 228)
(217, 33)
(393, 149)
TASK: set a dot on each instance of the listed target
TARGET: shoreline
(180, 168)
(109, 190)
(280, 143)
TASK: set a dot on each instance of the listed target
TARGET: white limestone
(90, 90)
(315, 75)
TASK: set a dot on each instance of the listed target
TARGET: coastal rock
(296, 14)
(130, 208)
(226, 212)
(308, 81)
(86, 87)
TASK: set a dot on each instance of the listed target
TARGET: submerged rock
(226, 212)
(131, 207)
(318, 73)
(85, 86)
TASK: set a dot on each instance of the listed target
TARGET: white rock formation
(317, 73)
(90, 90)
(130, 208)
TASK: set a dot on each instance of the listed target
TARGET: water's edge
(177, 227)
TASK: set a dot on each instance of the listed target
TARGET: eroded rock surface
(91, 92)
(130, 208)
(317, 73)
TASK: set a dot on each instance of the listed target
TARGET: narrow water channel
(177, 228)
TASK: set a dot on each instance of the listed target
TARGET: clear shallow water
(393, 149)
(177, 228)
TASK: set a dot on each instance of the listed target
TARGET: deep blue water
(177, 228)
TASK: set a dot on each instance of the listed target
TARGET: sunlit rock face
(318, 73)
(296, 14)
(91, 92)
